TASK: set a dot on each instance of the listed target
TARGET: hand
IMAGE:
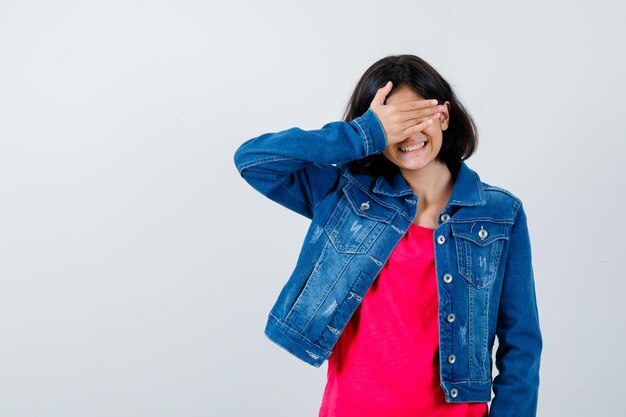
(401, 120)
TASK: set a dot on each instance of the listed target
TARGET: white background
(137, 268)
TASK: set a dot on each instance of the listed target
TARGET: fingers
(410, 127)
(418, 109)
(400, 120)
(420, 114)
(416, 104)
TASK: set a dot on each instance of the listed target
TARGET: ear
(445, 116)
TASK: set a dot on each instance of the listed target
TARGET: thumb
(381, 94)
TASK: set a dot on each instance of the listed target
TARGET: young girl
(412, 264)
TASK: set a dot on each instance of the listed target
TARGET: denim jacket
(482, 259)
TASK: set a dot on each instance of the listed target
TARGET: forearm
(295, 167)
(335, 143)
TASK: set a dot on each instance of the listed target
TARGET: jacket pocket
(357, 221)
(334, 320)
(479, 244)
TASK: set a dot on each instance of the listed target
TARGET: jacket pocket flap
(365, 205)
(481, 232)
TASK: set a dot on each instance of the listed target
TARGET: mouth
(414, 147)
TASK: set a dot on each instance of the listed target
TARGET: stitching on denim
(478, 335)
(464, 249)
(307, 288)
(485, 333)
(453, 220)
(376, 188)
(351, 180)
(464, 203)
(471, 331)
(488, 187)
(381, 124)
(470, 381)
(337, 219)
(365, 139)
(516, 209)
(356, 184)
(480, 243)
(261, 161)
(334, 281)
(295, 331)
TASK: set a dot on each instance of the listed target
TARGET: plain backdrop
(137, 268)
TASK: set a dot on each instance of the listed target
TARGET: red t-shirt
(386, 361)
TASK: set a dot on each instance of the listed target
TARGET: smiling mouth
(413, 147)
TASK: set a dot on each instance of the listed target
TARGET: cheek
(434, 132)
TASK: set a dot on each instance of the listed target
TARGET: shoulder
(498, 195)
(495, 199)
(498, 191)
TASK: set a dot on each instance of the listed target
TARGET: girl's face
(432, 135)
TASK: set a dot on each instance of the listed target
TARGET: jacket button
(451, 358)
(365, 206)
(447, 278)
(445, 217)
(454, 392)
(441, 239)
(451, 317)
(482, 233)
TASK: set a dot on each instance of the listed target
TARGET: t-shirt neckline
(422, 227)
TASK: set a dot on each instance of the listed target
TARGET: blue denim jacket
(482, 259)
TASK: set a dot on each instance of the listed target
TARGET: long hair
(459, 140)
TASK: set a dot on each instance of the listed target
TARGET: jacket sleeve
(519, 336)
(294, 167)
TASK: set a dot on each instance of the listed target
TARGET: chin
(414, 167)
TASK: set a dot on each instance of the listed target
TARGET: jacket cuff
(373, 132)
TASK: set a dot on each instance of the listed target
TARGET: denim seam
(335, 279)
(480, 219)
(468, 381)
(471, 331)
(365, 139)
(307, 287)
(487, 187)
(355, 183)
(297, 332)
(516, 209)
(485, 333)
(381, 125)
(261, 161)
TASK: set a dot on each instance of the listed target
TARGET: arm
(293, 167)
(519, 336)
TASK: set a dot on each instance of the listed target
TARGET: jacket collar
(467, 191)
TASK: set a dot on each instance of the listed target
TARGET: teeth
(414, 147)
